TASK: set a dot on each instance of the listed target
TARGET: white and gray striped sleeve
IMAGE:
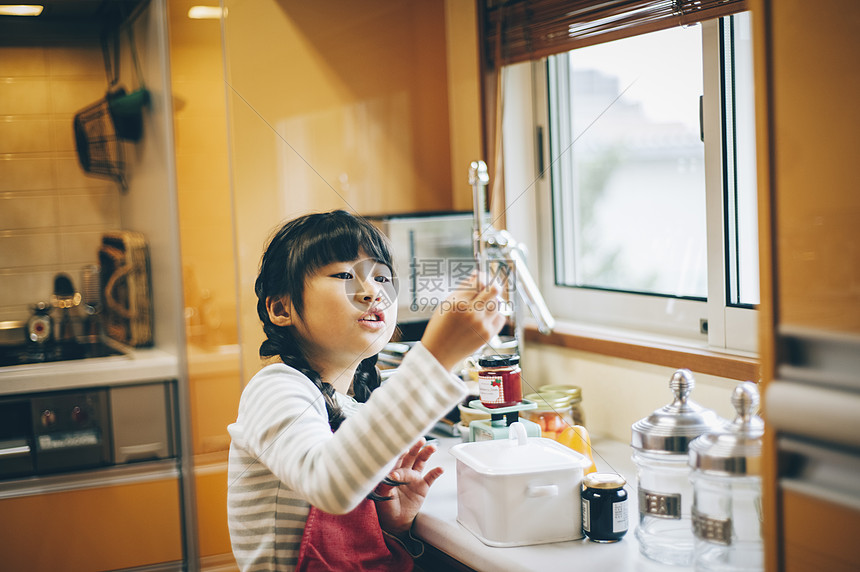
(285, 426)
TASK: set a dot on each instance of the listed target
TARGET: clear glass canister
(660, 445)
(726, 479)
(575, 394)
(553, 413)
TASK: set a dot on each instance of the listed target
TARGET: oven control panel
(63, 431)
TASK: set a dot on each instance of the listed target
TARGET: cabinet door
(815, 53)
(819, 535)
(100, 528)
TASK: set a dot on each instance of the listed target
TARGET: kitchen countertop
(134, 366)
(437, 525)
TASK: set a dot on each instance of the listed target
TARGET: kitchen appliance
(62, 431)
(125, 282)
(726, 481)
(501, 419)
(519, 491)
(660, 447)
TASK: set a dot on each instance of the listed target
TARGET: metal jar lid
(499, 360)
(574, 391)
(738, 450)
(608, 481)
(671, 428)
(549, 400)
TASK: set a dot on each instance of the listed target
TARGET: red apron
(353, 541)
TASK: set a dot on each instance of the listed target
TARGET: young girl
(326, 465)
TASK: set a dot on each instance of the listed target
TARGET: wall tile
(63, 134)
(22, 174)
(96, 208)
(25, 61)
(72, 95)
(25, 136)
(23, 289)
(84, 61)
(80, 248)
(21, 250)
(23, 96)
(72, 176)
(19, 211)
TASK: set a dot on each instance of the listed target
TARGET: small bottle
(499, 382)
(604, 507)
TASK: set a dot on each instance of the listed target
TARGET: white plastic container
(519, 491)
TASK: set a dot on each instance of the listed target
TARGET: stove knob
(79, 415)
(48, 418)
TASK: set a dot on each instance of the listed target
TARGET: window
(646, 203)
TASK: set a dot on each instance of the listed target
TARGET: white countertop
(134, 366)
(437, 525)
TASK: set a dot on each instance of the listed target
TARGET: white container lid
(518, 455)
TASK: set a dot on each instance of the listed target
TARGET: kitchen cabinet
(806, 57)
(95, 525)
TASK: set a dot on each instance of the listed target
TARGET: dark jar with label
(499, 382)
(604, 507)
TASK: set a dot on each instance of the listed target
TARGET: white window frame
(529, 218)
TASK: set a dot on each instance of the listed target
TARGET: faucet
(500, 246)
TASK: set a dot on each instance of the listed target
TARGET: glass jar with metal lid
(553, 413)
(575, 394)
(499, 382)
(726, 479)
(660, 444)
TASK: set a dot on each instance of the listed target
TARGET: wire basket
(100, 150)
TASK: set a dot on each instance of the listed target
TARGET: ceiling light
(20, 9)
(206, 12)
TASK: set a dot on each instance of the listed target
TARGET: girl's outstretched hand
(396, 515)
(462, 323)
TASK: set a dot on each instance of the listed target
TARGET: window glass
(628, 170)
(739, 153)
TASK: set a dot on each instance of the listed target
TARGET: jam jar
(574, 393)
(604, 507)
(499, 382)
(553, 413)
(660, 447)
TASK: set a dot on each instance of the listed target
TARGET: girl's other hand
(396, 515)
(465, 321)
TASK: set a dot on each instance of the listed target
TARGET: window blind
(521, 30)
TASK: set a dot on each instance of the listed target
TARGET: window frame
(711, 324)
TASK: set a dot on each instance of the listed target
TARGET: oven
(53, 432)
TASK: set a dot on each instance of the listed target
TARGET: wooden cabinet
(127, 520)
(807, 55)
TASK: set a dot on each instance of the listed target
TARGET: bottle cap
(603, 481)
(736, 451)
(499, 361)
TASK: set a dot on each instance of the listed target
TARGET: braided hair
(297, 249)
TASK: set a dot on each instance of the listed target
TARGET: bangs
(341, 239)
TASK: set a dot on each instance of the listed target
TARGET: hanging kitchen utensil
(101, 127)
(100, 152)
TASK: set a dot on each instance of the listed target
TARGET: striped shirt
(284, 457)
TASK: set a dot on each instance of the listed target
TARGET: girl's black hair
(300, 247)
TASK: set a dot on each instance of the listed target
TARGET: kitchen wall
(344, 105)
(51, 213)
